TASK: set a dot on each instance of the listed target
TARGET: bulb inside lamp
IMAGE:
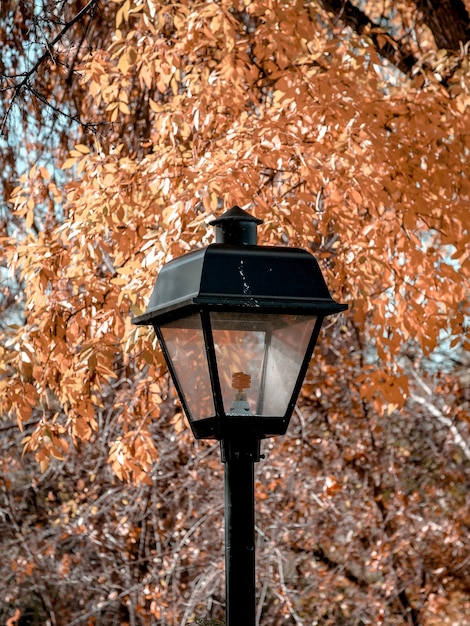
(240, 382)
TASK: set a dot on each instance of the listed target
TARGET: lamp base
(240, 449)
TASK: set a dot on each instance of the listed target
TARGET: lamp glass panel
(259, 357)
(185, 346)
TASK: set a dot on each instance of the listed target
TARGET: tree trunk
(387, 47)
(448, 20)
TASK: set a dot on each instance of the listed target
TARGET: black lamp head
(238, 311)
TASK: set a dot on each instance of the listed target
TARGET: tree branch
(73, 118)
(48, 46)
(448, 20)
(445, 421)
(386, 45)
(437, 413)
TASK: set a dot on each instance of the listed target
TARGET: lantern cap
(236, 227)
(263, 278)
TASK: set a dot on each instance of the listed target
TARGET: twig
(298, 620)
(57, 38)
(46, 54)
(437, 413)
(458, 439)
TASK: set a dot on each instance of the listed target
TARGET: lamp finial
(236, 227)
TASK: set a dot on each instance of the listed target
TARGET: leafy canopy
(345, 129)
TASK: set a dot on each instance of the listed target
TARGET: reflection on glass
(184, 341)
(267, 348)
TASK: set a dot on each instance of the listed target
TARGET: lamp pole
(240, 542)
(252, 313)
(239, 458)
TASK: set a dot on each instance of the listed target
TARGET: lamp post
(237, 324)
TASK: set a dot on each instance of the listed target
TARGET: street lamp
(237, 324)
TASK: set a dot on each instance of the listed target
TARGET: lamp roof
(264, 278)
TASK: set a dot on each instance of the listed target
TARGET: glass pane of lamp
(284, 355)
(259, 357)
(185, 345)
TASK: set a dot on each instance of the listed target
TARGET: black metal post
(240, 532)
(240, 543)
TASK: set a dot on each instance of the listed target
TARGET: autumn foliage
(345, 127)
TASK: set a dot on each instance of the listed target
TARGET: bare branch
(445, 421)
(48, 46)
(437, 413)
(388, 47)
